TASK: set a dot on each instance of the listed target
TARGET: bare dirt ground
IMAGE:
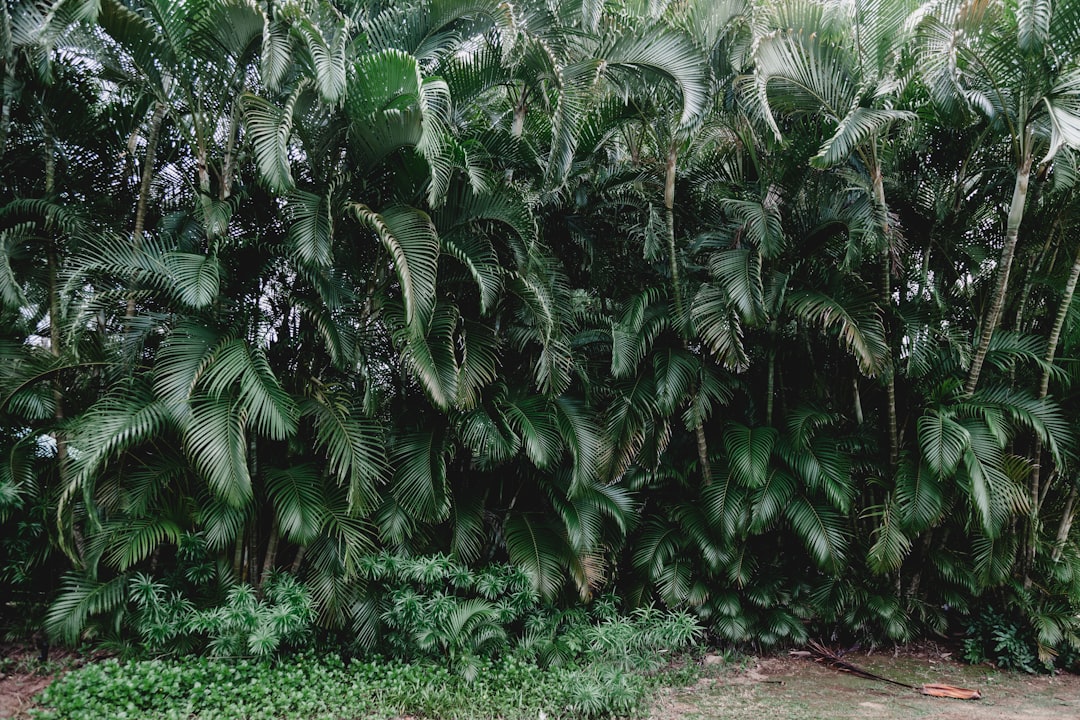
(22, 676)
(795, 688)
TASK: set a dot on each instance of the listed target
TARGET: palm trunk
(1065, 527)
(270, 559)
(1012, 232)
(1036, 267)
(230, 154)
(147, 178)
(1037, 494)
(5, 111)
(298, 561)
(680, 309)
(770, 386)
(52, 259)
(518, 124)
(8, 80)
(238, 558)
(886, 304)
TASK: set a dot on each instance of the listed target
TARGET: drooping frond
(410, 238)
(857, 320)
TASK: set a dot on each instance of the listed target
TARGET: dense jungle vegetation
(398, 322)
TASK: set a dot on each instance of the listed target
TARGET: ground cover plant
(589, 667)
(416, 328)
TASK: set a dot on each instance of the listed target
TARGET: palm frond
(419, 481)
(80, 598)
(857, 320)
(532, 417)
(354, 447)
(942, 442)
(821, 530)
(410, 238)
(297, 497)
(536, 548)
(216, 441)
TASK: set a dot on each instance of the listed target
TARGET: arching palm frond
(533, 420)
(674, 56)
(410, 238)
(298, 500)
(857, 320)
(821, 530)
(216, 441)
(269, 128)
(419, 481)
(354, 447)
(537, 548)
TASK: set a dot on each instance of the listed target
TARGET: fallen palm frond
(823, 655)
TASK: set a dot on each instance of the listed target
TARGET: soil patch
(22, 676)
(795, 688)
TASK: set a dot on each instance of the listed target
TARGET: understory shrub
(1014, 632)
(308, 687)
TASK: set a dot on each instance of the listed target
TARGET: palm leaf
(297, 497)
(821, 530)
(410, 238)
(942, 442)
(216, 441)
(354, 447)
(419, 481)
(891, 544)
(857, 320)
(670, 54)
(854, 129)
(269, 128)
(133, 540)
(537, 549)
(80, 598)
(748, 453)
(919, 494)
(532, 417)
(580, 431)
(312, 229)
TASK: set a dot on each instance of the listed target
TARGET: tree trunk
(886, 305)
(1012, 232)
(8, 80)
(1067, 516)
(52, 259)
(270, 559)
(238, 558)
(682, 324)
(5, 111)
(1036, 491)
(153, 132)
(770, 386)
(230, 153)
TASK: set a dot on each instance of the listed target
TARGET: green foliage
(322, 685)
(674, 300)
(1007, 643)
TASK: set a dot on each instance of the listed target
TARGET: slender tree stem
(770, 387)
(1067, 516)
(886, 306)
(1012, 232)
(270, 559)
(145, 181)
(680, 307)
(1037, 493)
